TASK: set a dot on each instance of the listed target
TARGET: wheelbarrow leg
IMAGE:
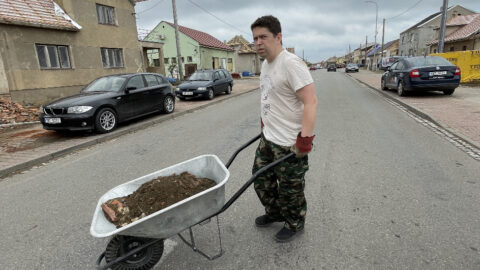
(195, 248)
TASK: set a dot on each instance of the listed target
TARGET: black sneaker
(264, 221)
(285, 234)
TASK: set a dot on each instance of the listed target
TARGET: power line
(405, 11)
(217, 17)
(150, 8)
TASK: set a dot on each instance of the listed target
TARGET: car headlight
(201, 88)
(79, 109)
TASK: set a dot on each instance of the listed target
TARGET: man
(288, 113)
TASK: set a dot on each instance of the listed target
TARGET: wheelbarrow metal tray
(174, 218)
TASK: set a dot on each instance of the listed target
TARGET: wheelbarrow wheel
(144, 259)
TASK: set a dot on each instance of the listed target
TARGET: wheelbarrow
(139, 245)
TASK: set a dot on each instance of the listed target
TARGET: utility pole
(383, 35)
(179, 54)
(441, 35)
(366, 39)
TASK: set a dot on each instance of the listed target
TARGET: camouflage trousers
(280, 189)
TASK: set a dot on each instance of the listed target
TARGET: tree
(172, 68)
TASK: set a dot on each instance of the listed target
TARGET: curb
(106, 137)
(420, 113)
(14, 125)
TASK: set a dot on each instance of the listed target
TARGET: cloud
(317, 28)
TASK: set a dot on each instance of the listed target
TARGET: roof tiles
(36, 13)
(203, 38)
(467, 31)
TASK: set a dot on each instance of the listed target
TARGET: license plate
(437, 73)
(53, 120)
(187, 93)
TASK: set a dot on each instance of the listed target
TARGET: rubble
(12, 112)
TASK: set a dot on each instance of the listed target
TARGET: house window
(189, 59)
(434, 50)
(183, 60)
(174, 60)
(153, 57)
(105, 14)
(165, 60)
(53, 56)
(452, 49)
(112, 57)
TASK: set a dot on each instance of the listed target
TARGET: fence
(467, 61)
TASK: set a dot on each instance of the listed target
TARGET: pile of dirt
(153, 196)
(12, 112)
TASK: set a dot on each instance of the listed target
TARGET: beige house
(246, 57)
(391, 48)
(462, 33)
(52, 48)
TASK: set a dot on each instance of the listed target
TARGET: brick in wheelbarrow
(153, 196)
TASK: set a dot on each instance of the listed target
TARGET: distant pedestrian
(288, 113)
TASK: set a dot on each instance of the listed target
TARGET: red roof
(467, 31)
(36, 13)
(203, 38)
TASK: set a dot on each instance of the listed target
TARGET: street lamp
(375, 44)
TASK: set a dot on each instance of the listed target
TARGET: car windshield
(427, 61)
(201, 76)
(110, 84)
(352, 65)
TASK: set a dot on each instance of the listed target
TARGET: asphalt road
(383, 192)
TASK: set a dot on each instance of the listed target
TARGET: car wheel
(168, 104)
(229, 90)
(448, 92)
(211, 94)
(384, 87)
(400, 90)
(105, 120)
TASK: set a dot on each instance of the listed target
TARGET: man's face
(265, 43)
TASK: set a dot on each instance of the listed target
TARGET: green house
(199, 50)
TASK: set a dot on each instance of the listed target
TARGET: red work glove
(303, 145)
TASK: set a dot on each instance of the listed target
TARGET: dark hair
(269, 22)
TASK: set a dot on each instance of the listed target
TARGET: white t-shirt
(281, 110)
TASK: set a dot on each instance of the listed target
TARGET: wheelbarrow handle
(241, 148)
(250, 181)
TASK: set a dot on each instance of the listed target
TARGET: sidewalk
(24, 146)
(458, 113)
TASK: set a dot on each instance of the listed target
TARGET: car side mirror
(130, 88)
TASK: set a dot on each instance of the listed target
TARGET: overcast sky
(317, 29)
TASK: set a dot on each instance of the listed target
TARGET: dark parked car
(351, 68)
(331, 67)
(206, 83)
(424, 73)
(109, 100)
